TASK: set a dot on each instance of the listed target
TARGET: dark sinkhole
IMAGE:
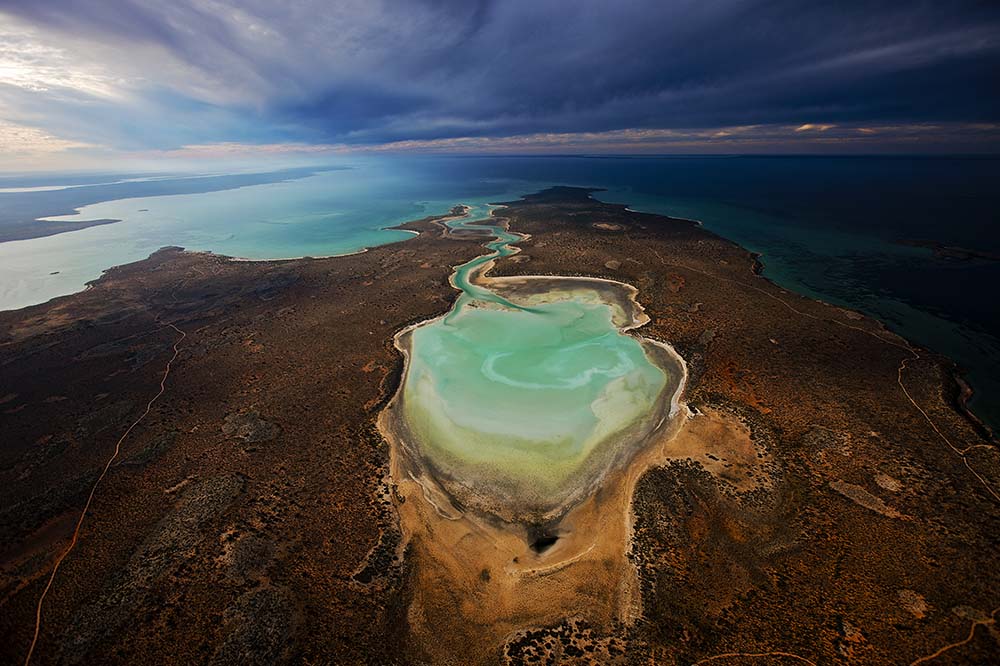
(542, 543)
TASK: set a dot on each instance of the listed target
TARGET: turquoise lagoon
(523, 399)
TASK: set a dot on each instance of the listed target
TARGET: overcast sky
(146, 79)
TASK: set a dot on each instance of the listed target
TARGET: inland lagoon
(518, 401)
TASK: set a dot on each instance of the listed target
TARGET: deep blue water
(830, 227)
(834, 228)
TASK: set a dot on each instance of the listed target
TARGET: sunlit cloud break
(19, 140)
(627, 140)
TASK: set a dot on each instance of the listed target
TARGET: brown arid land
(193, 443)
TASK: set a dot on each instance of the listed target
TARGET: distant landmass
(21, 211)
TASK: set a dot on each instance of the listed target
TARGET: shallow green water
(327, 213)
(524, 395)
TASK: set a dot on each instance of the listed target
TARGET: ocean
(912, 241)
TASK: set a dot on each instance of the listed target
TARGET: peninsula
(298, 461)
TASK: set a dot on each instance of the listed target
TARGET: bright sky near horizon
(89, 83)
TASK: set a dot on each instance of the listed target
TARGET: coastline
(964, 392)
(236, 259)
(790, 284)
(38, 222)
(964, 399)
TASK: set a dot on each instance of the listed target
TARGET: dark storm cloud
(368, 72)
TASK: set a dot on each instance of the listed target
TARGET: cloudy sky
(111, 81)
